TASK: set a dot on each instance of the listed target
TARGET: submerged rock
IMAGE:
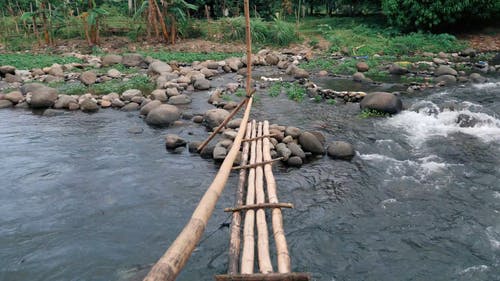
(173, 141)
(163, 115)
(341, 150)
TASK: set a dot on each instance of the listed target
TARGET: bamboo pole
(222, 125)
(257, 164)
(248, 253)
(265, 264)
(265, 277)
(259, 206)
(235, 241)
(277, 218)
(174, 259)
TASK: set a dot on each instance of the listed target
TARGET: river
(83, 199)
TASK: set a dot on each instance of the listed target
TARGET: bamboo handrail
(248, 253)
(265, 264)
(235, 241)
(277, 218)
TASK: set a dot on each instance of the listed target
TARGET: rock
(230, 134)
(180, 99)
(299, 73)
(310, 143)
(202, 84)
(193, 146)
(108, 60)
(234, 123)
(208, 72)
(37, 72)
(41, 96)
(113, 73)
(63, 101)
(319, 136)
(214, 117)
(323, 73)
(272, 59)
(5, 104)
(227, 143)
(4, 69)
(129, 94)
(14, 97)
(445, 80)
(340, 150)
(11, 78)
(445, 70)
(88, 105)
(234, 64)
(171, 92)
(73, 106)
(466, 121)
(132, 106)
(159, 95)
(135, 130)
(117, 103)
(219, 153)
(52, 112)
(105, 103)
(149, 106)
(477, 78)
(362, 66)
(294, 161)
(212, 64)
(396, 69)
(173, 141)
(442, 55)
(230, 105)
(56, 70)
(207, 152)
(287, 139)
(296, 150)
(277, 134)
(383, 102)
(88, 77)
(283, 151)
(358, 77)
(198, 119)
(469, 52)
(132, 60)
(159, 67)
(163, 115)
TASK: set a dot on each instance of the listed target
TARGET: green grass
(188, 57)
(294, 91)
(30, 61)
(371, 113)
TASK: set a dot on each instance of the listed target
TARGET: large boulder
(41, 95)
(214, 117)
(88, 77)
(63, 101)
(4, 69)
(201, 84)
(383, 102)
(5, 104)
(446, 79)
(132, 60)
(310, 143)
(150, 106)
(163, 115)
(340, 150)
(111, 60)
(445, 70)
(397, 69)
(88, 105)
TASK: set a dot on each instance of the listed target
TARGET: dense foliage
(429, 15)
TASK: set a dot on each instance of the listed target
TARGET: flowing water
(83, 199)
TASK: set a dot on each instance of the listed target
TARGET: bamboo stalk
(265, 277)
(222, 125)
(235, 241)
(261, 137)
(174, 259)
(259, 206)
(248, 253)
(265, 264)
(277, 218)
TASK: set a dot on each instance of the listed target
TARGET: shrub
(429, 15)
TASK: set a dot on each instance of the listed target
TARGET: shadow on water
(83, 199)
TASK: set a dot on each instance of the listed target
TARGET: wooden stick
(265, 264)
(277, 218)
(257, 164)
(174, 259)
(248, 254)
(235, 241)
(265, 277)
(259, 206)
(222, 125)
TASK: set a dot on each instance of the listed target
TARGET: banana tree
(43, 11)
(91, 19)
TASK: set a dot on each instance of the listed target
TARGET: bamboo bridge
(255, 173)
